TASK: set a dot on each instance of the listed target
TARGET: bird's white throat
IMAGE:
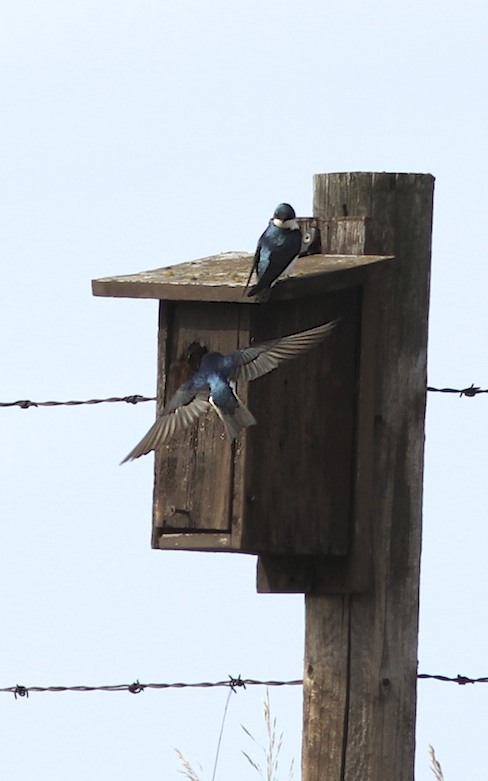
(291, 225)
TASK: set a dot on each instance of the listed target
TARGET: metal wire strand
(232, 683)
(26, 403)
(137, 687)
(136, 398)
(473, 390)
(462, 680)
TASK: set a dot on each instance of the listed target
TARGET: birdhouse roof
(223, 278)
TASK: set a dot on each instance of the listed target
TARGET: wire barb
(235, 682)
(136, 687)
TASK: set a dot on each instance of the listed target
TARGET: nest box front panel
(194, 472)
(299, 480)
(287, 484)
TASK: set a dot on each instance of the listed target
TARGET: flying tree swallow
(278, 249)
(211, 386)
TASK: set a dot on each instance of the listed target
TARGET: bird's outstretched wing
(183, 409)
(259, 359)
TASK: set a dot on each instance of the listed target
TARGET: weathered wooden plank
(352, 573)
(194, 471)
(345, 234)
(163, 362)
(325, 698)
(300, 465)
(223, 277)
(203, 541)
(361, 651)
(278, 574)
(241, 446)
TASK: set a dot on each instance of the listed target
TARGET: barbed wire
(232, 683)
(473, 390)
(136, 398)
(26, 403)
(462, 680)
(137, 686)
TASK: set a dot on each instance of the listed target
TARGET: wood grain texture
(329, 574)
(287, 483)
(194, 472)
(300, 464)
(223, 278)
(208, 541)
(361, 650)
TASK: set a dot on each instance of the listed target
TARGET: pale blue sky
(140, 133)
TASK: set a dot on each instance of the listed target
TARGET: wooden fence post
(361, 649)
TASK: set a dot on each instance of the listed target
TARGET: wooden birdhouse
(289, 485)
(296, 488)
(327, 487)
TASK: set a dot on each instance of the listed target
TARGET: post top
(223, 278)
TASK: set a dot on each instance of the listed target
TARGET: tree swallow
(211, 386)
(277, 250)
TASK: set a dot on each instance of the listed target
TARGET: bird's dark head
(285, 217)
(284, 212)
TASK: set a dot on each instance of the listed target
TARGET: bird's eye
(307, 238)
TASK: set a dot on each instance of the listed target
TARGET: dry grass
(187, 769)
(269, 770)
(271, 751)
(435, 765)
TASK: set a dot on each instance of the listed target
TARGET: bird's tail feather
(234, 423)
(261, 291)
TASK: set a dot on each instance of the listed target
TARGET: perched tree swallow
(277, 249)
(211, 386)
